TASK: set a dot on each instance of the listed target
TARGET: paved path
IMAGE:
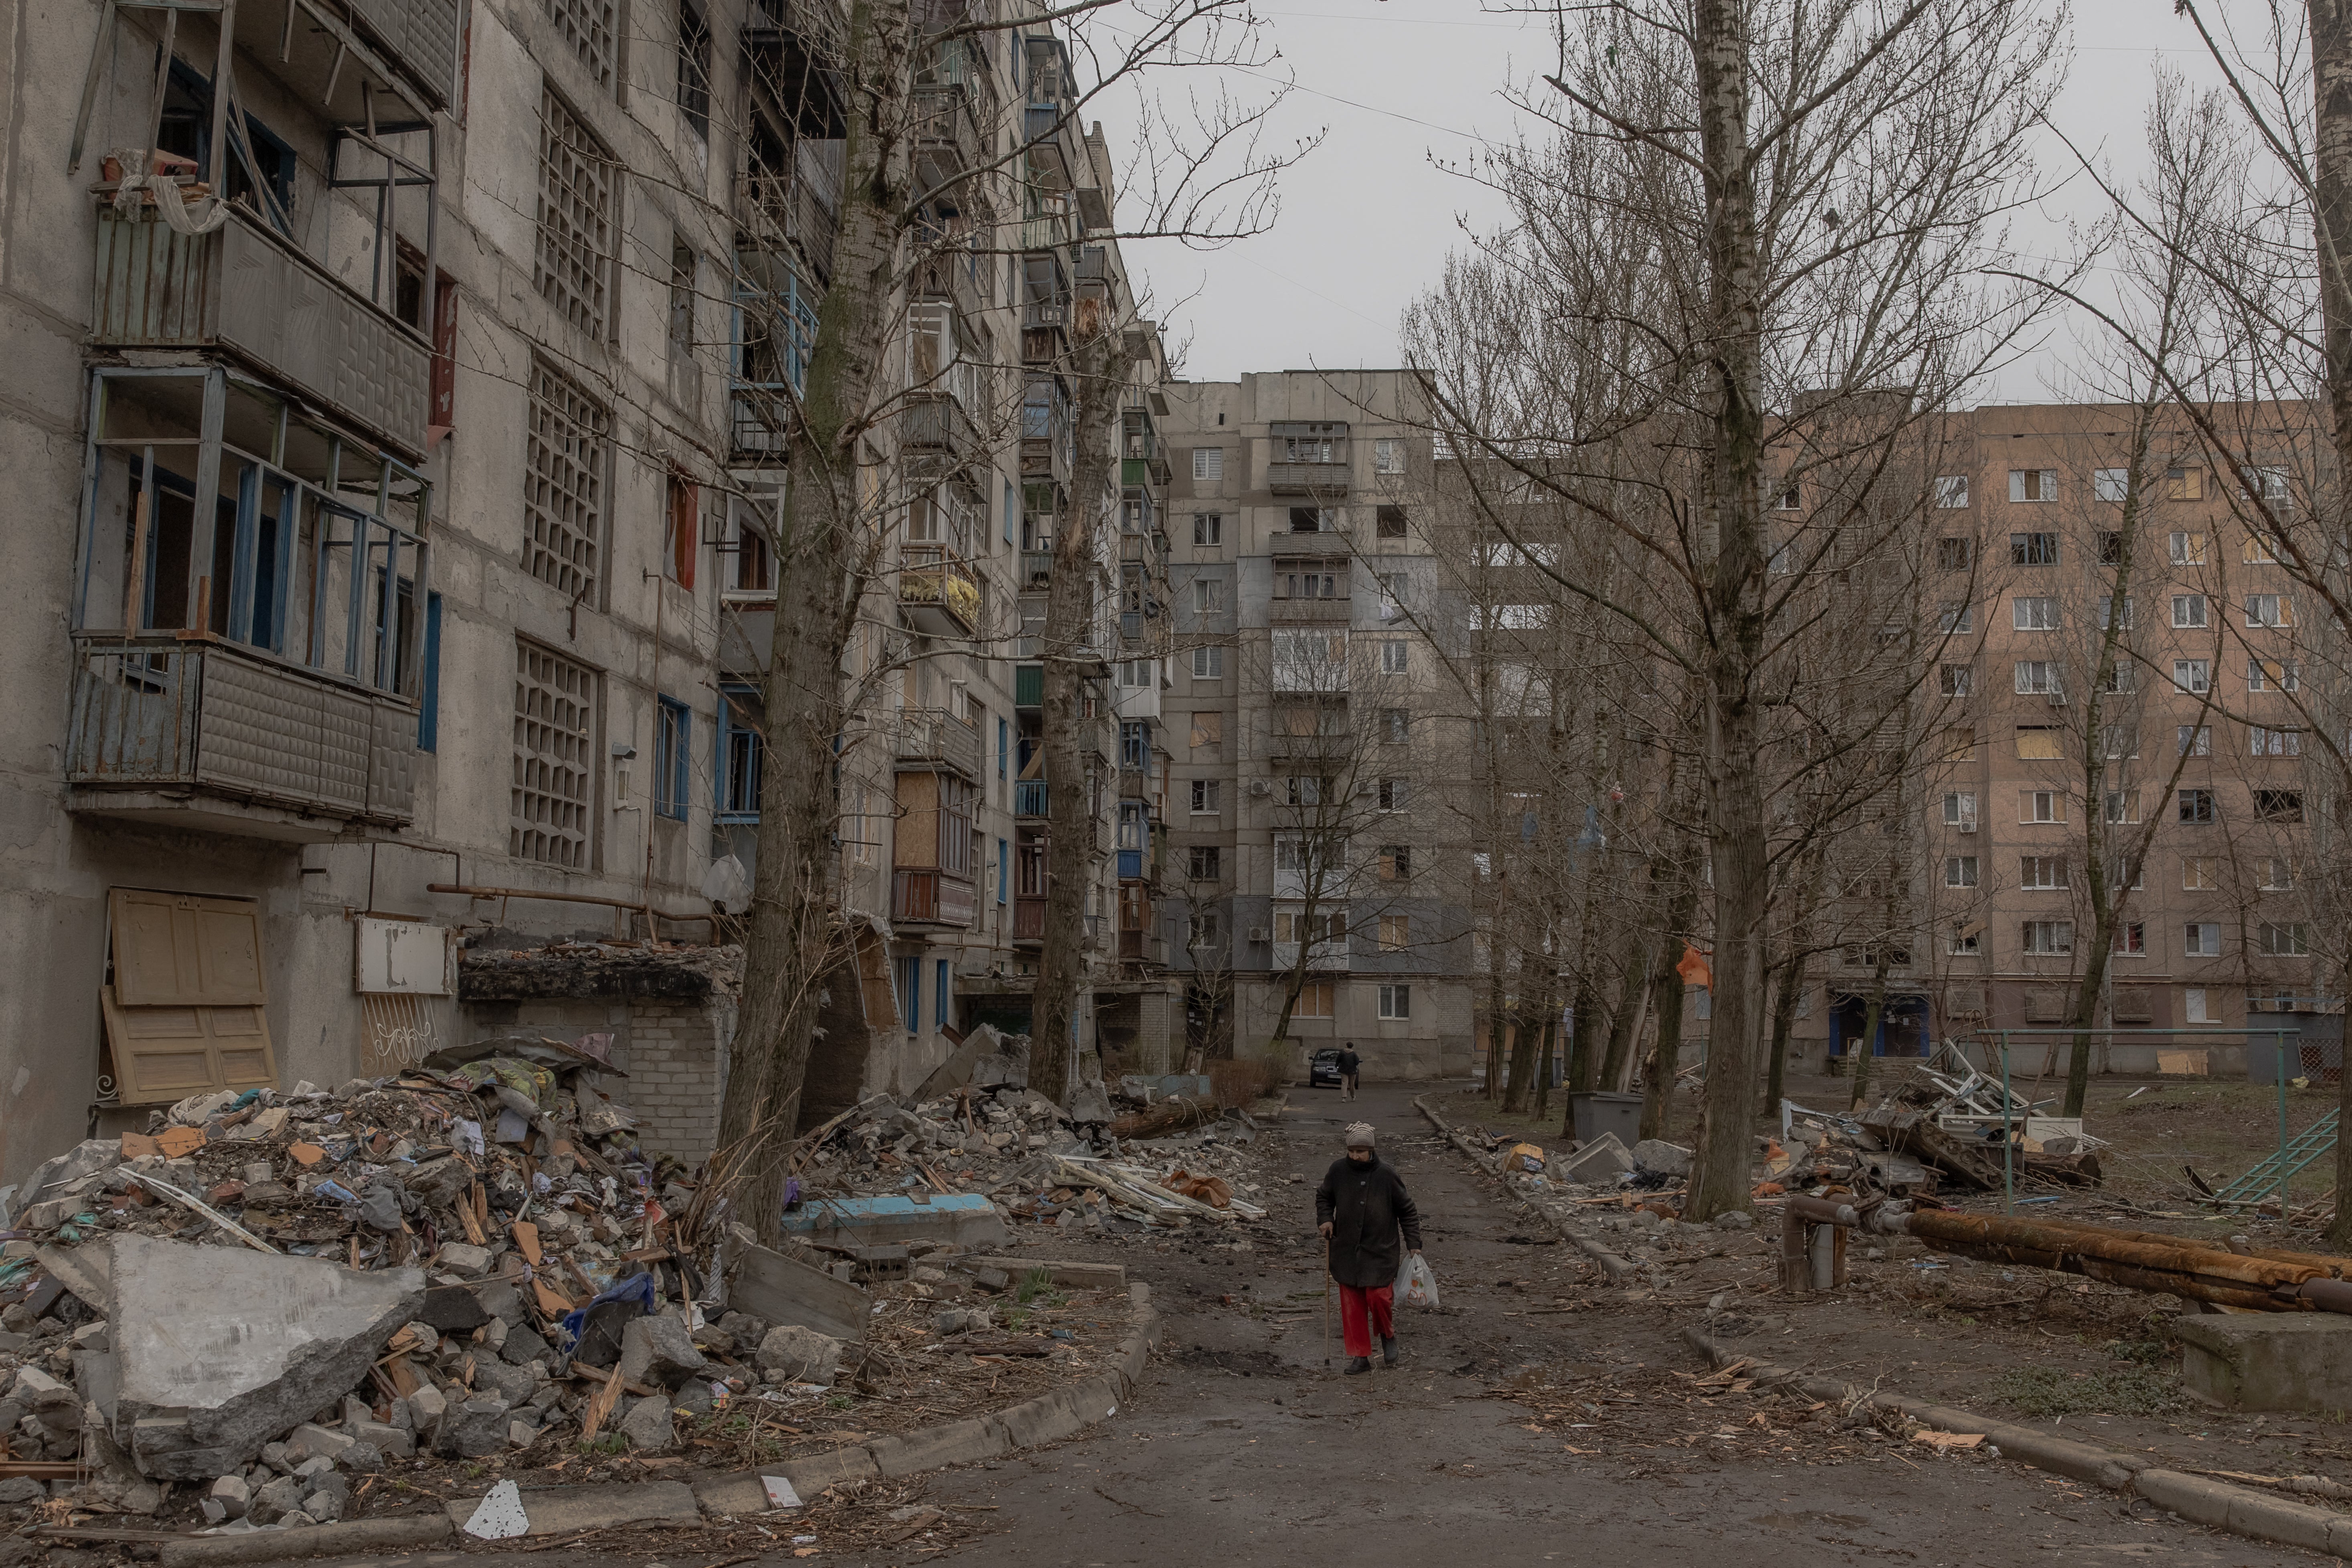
(1242, 1450)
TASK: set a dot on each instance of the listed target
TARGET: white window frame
(1959, 870)
(2042, 483)
(2191, 611)
(1951, 491)
(1208, 465)
(2192, 675)
(1960, 809)
(2034, 613)
(2110, 484)
(1209, 662)
(1396, 657)
(1208, 530)
(2201, 939)
(2047, 939)
(1396, 1002)
(1207, 797)
(1387, 456)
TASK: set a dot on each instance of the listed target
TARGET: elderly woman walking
(1360, 1208)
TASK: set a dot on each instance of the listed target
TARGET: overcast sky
(1408, 86)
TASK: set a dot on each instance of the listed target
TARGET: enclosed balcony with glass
(254, 632)
(1306, 457)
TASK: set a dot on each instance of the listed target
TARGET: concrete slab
(2269, 1361)
(964, 1219)
(1068, 1275)
(778, 1289)
(220, 1350)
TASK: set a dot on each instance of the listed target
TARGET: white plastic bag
(1416, 1283)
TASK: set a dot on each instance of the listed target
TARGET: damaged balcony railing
(155, 711)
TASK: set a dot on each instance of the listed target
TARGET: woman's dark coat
(1366, 1205)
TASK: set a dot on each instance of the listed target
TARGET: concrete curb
(1049, 1417)
(401, 1534)
(2240, 1510)
(1619, 1269)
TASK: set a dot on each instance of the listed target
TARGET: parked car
(1323, 1068)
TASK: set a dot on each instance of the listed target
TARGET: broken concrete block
(328, 1497)
(1597, 1163)
(84, 1271)
(523, 1346)
(232, 1494)
(311, 1442)
(274, 1501)
(795, 1354)
(394, 1440)
(366, 1458)
(501, 1300)
(1735, 1219)
(658, 1350)
(92, 1157)
(474, 1430)
(521, 1433)
(220, 1349)
(1666, 1158)
(452, 1309)
(462, 1257)
(648, 1424)
(426, 1407)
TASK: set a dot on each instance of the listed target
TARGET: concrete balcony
(938, 423)
(1045, 331)
(1028, 920)
(1336, 610)
(1306, 479)
(935, 738)
(212, 737)
(245, 291)
(929, 897)
(1047, 134)
(946, 135)
(938, 591)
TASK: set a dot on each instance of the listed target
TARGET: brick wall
(673, 1055)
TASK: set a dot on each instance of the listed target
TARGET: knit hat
(1360, 1135)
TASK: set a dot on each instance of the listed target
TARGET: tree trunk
(1869, 1042)
(1526, 1029)
(1784, 1021)
(1734, 575)
(1632, 979)
(2330, 22)
(1587, 1009)
(1666, 1049)
(822, 577)
(1070, 737)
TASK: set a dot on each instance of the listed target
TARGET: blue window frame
(428, 715)
(940, 994)
(742, 752)
(672, 740)
(1004, 868)
(910, 994)
(1135, 743)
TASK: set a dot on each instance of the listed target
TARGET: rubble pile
(264, 1295)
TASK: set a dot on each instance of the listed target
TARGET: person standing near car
(1348, 1065)
(1361, 1209)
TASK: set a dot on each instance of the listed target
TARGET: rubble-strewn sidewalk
(272, 1311)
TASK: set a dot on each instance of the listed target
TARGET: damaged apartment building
(397, 466)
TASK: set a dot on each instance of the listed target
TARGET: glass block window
(548, 814)
(563, 481)
(576, 217)
(587, 27)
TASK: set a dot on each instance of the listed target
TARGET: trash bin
(1592, 1112)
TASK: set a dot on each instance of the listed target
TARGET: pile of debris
(264, 1293)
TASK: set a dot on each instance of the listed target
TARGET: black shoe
(1356, 1364)
(1389, 1350)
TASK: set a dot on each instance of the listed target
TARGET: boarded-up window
(2045, 1006)
(1968, 1001)
(185, 1012)
(1208, 728)
(2135, 1005)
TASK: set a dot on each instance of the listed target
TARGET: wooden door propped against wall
(186, 1009)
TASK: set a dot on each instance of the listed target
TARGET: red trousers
(1354, 1301)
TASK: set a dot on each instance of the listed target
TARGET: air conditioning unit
(1257, 933)
(1261, 787)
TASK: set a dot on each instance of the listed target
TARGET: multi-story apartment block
(397, 451)
(2202, 823)
(1317, 851)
